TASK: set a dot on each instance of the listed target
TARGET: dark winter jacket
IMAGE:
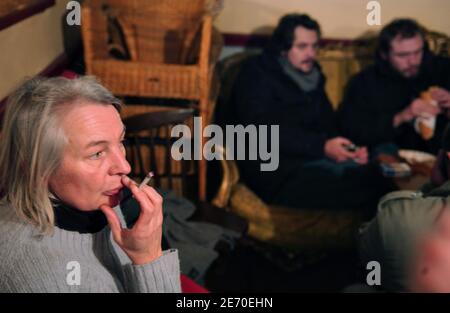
(375, 95)
(264, 95)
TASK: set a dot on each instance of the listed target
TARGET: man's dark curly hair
(405, 28)
(283, 35)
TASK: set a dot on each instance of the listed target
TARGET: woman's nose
(120, 164)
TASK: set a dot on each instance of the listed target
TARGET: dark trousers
(326, 184)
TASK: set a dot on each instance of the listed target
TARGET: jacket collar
(270, 62)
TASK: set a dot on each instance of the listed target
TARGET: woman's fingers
(114, 222)
(154, 196)
(138, 194)
(147, 198)
(154, 212)
(142, 243)
(127, 181)
(145, 204)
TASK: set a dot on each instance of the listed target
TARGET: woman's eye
(96, 156)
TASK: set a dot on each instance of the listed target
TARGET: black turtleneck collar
(89, 222)
(71, 219)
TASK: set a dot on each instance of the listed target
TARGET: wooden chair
(156, 49)
(149, 144)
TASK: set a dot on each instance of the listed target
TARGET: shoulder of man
(404, 210)
(362, 81)
(367, 73)
(250, 68)
(406, 199)
(391, 237)
(443, 66)
(407, 210)
(400, 195)
(439, 60)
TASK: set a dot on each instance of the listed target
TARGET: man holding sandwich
(285, 86)
(403, 98)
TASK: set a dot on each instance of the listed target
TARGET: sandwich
(425, 126)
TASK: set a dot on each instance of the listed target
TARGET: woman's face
(93, 161)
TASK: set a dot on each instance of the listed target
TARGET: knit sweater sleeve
(161, 275)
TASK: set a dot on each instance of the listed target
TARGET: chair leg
(202, 162)
(202, 180)
(202, 166)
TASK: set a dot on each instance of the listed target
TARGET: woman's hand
(142, 243)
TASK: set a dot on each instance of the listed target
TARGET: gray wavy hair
(33, 140)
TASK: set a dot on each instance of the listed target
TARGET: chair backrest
(156, 31)
(228, 70)
(150, 48)
(149, 144)
(439, 43)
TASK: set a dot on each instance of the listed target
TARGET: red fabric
(190, 286)
(69, 74)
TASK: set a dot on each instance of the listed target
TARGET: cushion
(292, 227)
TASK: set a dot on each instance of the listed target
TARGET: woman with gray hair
(63, 170)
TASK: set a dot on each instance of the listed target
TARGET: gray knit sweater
(72, 262)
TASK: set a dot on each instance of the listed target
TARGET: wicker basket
(157, 49)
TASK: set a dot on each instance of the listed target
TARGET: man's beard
(311, 66)
(411, 72)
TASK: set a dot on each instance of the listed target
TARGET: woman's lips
(113, 192)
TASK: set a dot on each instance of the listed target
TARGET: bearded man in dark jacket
(285, 86)
(382, 102)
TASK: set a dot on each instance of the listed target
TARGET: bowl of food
(417, 157)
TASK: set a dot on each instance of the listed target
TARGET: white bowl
(413, 156)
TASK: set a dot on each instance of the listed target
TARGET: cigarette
(146, 179)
